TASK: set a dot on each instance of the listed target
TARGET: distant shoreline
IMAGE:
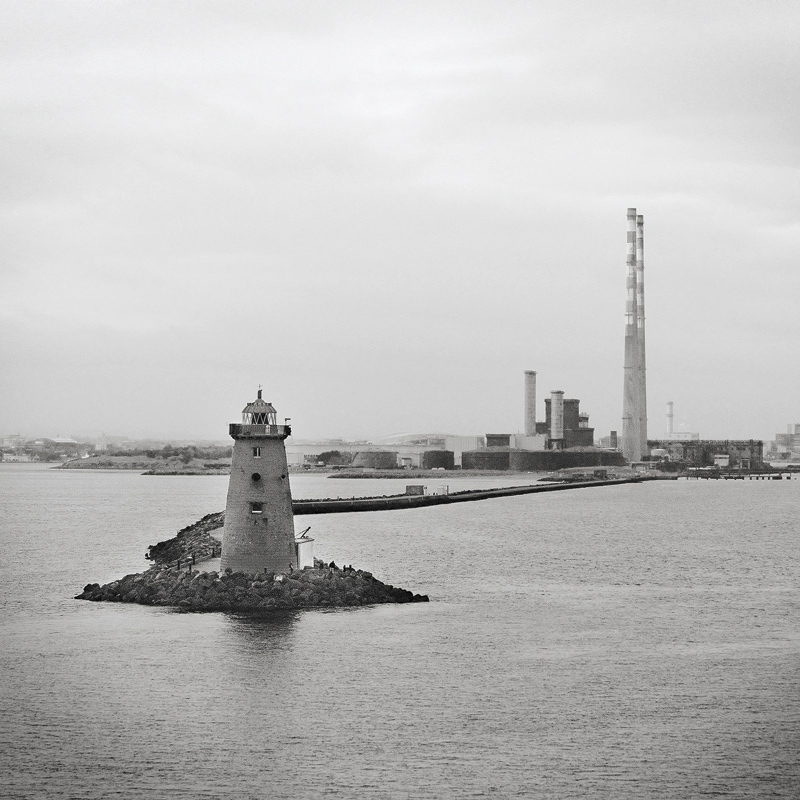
(404, 474)
(150, 466)
(612, 473)
(174, 466)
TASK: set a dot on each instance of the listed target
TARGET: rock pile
(194, 540)
(322, 586)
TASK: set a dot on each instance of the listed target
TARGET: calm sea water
(638, 641)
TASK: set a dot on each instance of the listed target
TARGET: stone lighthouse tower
(259, 527)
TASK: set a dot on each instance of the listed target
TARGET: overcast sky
(385, 211)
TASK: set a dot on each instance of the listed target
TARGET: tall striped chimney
(641, 375)
(530, 403)
(670, 416)
(631, 440)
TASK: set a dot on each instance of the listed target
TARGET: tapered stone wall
(259, 526)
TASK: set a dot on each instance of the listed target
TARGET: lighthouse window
(256, 508)
(256, 452)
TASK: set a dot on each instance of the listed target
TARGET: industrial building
(687, 448)
(408, 450)
(564, 439)
(575, 425)
(746, 454)
(672, 434)
(786, 446)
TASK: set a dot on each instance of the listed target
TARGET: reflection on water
(267, 637)
(627, 642)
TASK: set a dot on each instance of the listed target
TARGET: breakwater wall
(193, 542)
(394, 502)
(196, 544)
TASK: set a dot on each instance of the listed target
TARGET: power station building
(575, 430)
(689, 449)
(564, 439)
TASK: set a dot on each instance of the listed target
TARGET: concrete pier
(394, 502)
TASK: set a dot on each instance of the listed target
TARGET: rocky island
(176, 579)
(324, 585)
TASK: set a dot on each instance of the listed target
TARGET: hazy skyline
(384, 213)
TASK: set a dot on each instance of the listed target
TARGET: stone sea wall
(319, 587)
(194, 540)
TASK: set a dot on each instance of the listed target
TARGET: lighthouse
(259, 526)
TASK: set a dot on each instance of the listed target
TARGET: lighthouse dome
(259, 412)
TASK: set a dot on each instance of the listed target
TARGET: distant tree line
(49, 455)
(335, 457)
(185, 454)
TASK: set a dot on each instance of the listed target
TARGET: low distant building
(494, 440)
(438, 459)
(460, 444)
(409, 449)
(510, 458)
(740, 453)
(610, 442)
(46, 449)
(517, 441)
(785, 446)
(17, 456)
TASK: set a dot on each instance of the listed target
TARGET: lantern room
(259, 419)
(259, 412)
